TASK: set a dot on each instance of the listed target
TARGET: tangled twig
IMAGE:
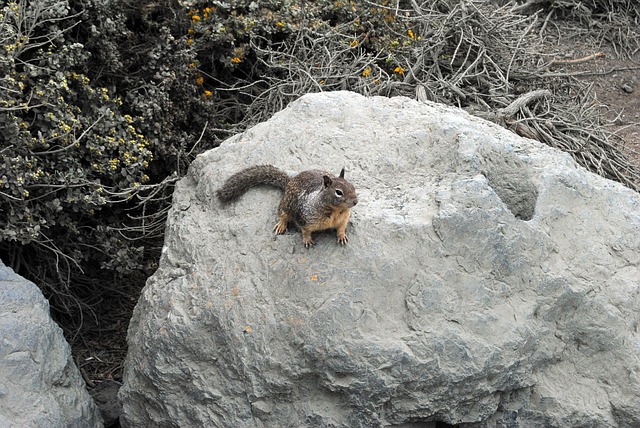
(473, 55)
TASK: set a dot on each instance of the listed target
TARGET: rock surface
(488, 281)
(105, 395)
(40, 386)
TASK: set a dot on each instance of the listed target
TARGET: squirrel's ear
(342, 173)
(327, 180)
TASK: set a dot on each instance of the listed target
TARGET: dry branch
(522, 101)
(472, 55)
(577, 60)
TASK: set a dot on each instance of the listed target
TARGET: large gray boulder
(40, 386)
(488, 280)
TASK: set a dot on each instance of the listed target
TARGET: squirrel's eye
(339, 193)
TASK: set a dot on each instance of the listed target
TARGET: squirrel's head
(340, 191)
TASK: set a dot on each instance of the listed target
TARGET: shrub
(73, 162)
(610, 22)
(144, 55)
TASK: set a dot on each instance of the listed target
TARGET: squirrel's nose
(355, 201)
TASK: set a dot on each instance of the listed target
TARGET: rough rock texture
(105, 395)
(488, 281)
(40, 386)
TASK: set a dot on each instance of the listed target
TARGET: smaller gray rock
(40, 386)
(106, 397)
(627, 88)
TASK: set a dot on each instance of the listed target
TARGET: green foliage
(143, 55)
(229, 36)
(71, 159)
(255, 57)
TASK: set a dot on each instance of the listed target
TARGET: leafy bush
(255, 57)
(68, 152)
(144, 55)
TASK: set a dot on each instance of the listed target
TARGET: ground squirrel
(313, 200)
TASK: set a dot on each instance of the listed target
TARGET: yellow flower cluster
(105, 93)
(200, 79)
(113, 164)
(84, 80)
(197, 15)
(129, 158)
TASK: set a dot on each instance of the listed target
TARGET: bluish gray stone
(488, 280)
(40, 386)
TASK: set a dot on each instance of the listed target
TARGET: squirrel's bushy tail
(240, 182)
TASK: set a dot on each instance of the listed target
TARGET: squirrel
(314, 200)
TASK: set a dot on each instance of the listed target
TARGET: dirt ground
(618, 89)
(616, 84)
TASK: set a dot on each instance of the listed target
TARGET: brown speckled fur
(314, 200)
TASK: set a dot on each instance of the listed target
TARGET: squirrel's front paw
(280, 228)
(343, 239)
(308, 242)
